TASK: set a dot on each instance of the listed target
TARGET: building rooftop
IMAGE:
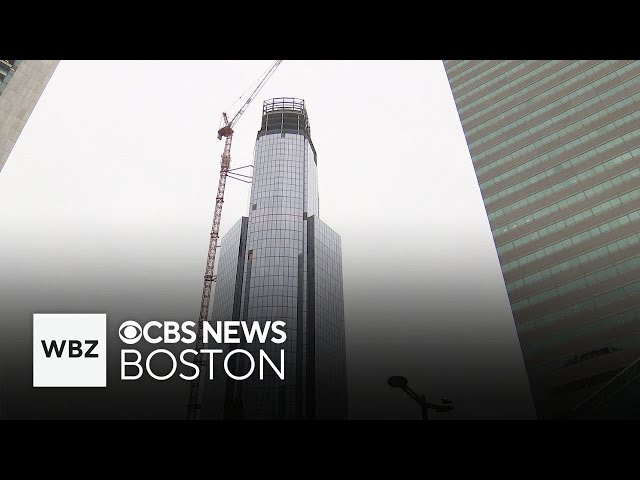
(283, 103)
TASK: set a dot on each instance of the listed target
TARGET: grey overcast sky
(107, 199)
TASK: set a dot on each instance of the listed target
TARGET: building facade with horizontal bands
(556, 148)
(21, 84)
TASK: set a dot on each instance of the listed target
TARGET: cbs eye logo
(130, 332)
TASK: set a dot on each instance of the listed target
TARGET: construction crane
(227, 132)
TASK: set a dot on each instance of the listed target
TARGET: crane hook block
(225, 131)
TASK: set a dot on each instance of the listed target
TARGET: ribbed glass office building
(283, 263)
(556, 147)
(21, 84)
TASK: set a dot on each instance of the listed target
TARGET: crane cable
(245, 92)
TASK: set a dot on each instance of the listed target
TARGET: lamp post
(401, 382)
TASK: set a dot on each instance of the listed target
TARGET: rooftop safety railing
(283, 103)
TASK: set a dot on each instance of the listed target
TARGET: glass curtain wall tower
(283, 263)
(556, 147)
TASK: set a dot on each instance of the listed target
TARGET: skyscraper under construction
(281, 262)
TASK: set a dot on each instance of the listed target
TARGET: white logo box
(67, 367)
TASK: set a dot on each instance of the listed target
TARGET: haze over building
(21, 84)
(555, 146)
(283, 263)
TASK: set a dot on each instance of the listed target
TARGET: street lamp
(401, 382)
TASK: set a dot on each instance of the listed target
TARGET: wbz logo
(69, 350)
(75, 348)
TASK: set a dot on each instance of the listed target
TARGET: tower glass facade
(21, 84)
(555, 146)
(283, 263)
